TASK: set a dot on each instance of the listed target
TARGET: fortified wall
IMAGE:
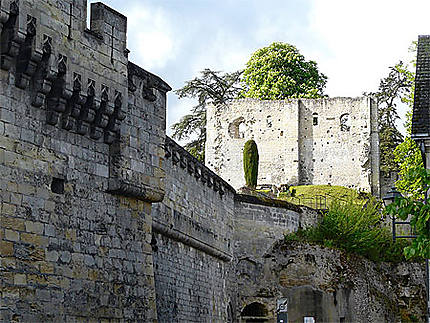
(300, 141)
(81, 161)
(102, 216)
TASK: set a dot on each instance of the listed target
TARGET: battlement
(82, 80)
(195, 168)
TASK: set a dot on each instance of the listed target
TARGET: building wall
(272, 124)
(103, 217)
(193, 228)
(79, 166)
(341, 148)
(258, 226)
(330, 285)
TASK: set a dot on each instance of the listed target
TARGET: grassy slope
(332, 192)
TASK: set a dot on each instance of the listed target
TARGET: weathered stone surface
(330, 285)
(70, 131)
(300, 141)
(193, 244)
(103, 217)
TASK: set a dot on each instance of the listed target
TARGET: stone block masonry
(81, 161)
(102, 217)
(300, 141)
(193, 246)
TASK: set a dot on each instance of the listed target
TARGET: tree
(210, 88)
(250, 163)
(396, 86)
(275, 72)
(406, 206)
(408, 156)
(279, 71)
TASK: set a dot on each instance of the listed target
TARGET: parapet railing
(318, 202)
(195, 168)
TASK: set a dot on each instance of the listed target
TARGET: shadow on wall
(254, 312)
(307, 121)
(302, 304)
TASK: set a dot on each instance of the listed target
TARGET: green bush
(357, 229)
(250, 163)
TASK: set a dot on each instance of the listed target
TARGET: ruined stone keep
(300, 141)
(103, 218)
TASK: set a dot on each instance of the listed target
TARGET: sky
(354, 42)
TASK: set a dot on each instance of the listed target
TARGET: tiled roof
(421, 111)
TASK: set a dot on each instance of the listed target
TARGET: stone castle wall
(193, 242)
(80, 165)
(103, 217)
(300, 141)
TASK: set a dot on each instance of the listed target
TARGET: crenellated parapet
(81, 81)
(179, 156)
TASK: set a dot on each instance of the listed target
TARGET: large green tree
(210, 88)
(395, 87)
(279, 71)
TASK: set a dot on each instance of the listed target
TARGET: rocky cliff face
(332, 286)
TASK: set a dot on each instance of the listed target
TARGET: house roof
(421, 110)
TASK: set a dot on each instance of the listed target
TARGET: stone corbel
(113, 127)
(83, 112)
(96, 131)
(29, 56)
(61, 91)
(74, 105)
(45, 72)
(4, 12)
(12, 36)
(103, 111)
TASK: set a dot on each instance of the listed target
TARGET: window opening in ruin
(269, 121)
(345, 122)
(315, 119)
(230, 313)
(242, 130)
(254, 312)
(308, 319)
(236, 129)
(57, 185)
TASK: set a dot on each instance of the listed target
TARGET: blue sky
(353, 42)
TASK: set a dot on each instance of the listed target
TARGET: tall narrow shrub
(250, 163)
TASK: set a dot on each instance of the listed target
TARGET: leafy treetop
(279, 71)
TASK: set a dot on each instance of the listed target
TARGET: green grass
(306, 194)
(356, 229)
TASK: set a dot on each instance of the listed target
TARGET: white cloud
(225, 51)
(364, 38)
(153, 42)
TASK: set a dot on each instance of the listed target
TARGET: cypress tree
(250, 163)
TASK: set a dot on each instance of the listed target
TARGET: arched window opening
(345, 124)
(254, 312)
(315, 119)
(236, 129)
(269, 121)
